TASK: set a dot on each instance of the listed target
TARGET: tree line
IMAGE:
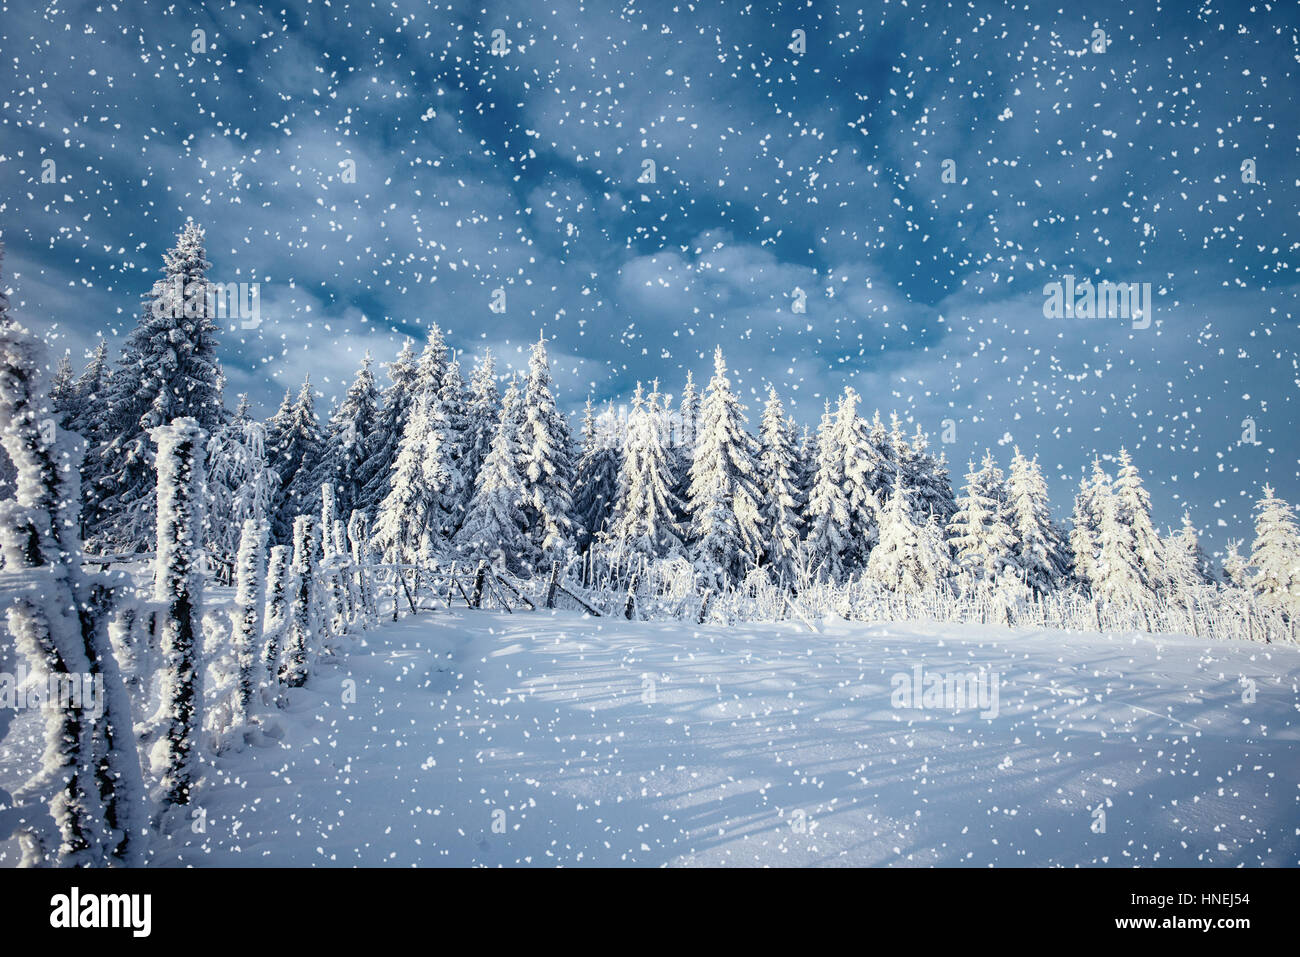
(441, 461)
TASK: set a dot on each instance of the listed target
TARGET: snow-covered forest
(670, 512)
(648, 437)
(441, 463)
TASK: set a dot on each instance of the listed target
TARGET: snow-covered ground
(480, 738)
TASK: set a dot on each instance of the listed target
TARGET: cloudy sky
(775, 170)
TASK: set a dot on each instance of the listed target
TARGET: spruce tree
(241, 485)
(92, 396)
(1235, 571)
(1186, 565)
(454, 401)
(1275, 554)
(827, 512)
(911, 557)
(168, 370)
(412, 519)
(349, 437)
(375, 473)
(494, 526)
(595, 491)
(1038, 552)
(644, 518)
(683, 446)
(978, 533)
(726, 527)
(1135, 511)
(544, 444)
(294, 444)
(778, 468)
(484, 406)
(1084, 542)
(1118, 577)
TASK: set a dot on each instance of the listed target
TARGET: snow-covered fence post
(347, 585)
(551, 584)
(250, 595)
(480, 577)
(329, 568)
(302, 616)
(178, 587)
(630, 604)
(90, 774)
(704, 605)
(361, 563)
(277, 609)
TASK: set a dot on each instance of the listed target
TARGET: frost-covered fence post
(302, 616)
(361, 563)
(279, 587)
(90, 774)
(329, 570)
(178, 587)
(630, 604)
(347, 583)
(704, 605)
(250, 595)
(480, 577)
(551, 584)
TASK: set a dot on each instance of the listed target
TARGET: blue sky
(774, 170)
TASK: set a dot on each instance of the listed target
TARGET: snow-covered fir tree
(87, 418)
(481, 417)
(682, 446)
(726, 526)
(412, 519)
(1117, 577)
(827, 510)
(1039, 553)
(1235, 571)
(926, 479)
(241, 485)
(433, 363)
(494, 526)
(1084, 541)
(352, 429)
(375, 473)
(644, 521)
(979, 534)
(453, 401)
(1275, 554)
(778, 480)
(910, 557)
(547, 460)
(294, 443)
(596, 487)
(63, 392)
(867, 476)
(1186, 564)
(168, 370)
(1135, 511)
